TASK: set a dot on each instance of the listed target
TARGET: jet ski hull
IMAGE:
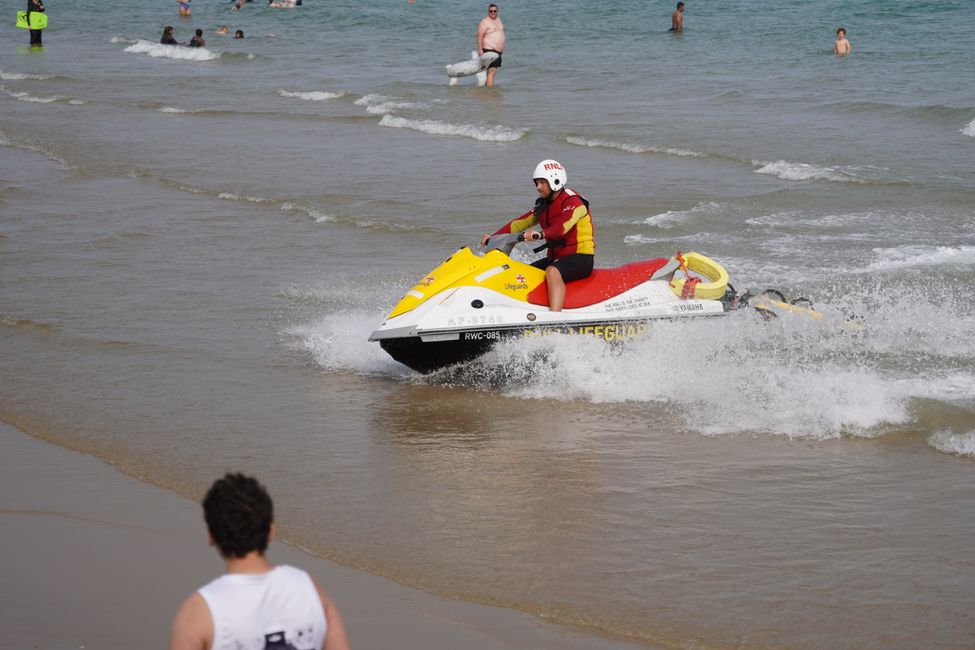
(433, 351)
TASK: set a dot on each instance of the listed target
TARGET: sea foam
(969, 130)
(24, 97)
(634, 148)
(915, 256)
(17, 76)
(158, 50)
(477, 132)
(793, 171)
(316, 215)
(952, 443)
(312, 95)
(380, 104)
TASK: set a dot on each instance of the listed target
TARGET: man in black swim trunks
(490, 38)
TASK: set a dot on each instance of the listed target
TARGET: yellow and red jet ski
(478, 297)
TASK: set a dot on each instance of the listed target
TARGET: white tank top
(278, 610)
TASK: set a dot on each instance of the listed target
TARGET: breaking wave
(474, 131)
(634, 148)
(311, 96)
(158, 50)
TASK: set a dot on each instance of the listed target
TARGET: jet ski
(478, 297)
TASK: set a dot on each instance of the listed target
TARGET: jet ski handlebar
(505, 243)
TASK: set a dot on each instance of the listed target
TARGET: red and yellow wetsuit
(566, 224)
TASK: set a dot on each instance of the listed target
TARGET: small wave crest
(793, 171)
(672, 217)
(953, 443)
(311, 95)
(158, 50)
(18, 76)
(634, 148)
(910, 256)
(230, 196)
(25, 97)
(969, 129)
(474, 131)
(318, 216)
(380, 104)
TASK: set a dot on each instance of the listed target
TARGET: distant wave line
(311, 95)
(25, 97)
(380, 104)
(796, 171)
(920, 256)
(18, 76)
(434, 127)
(635, 148)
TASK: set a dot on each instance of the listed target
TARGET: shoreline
(96, 558)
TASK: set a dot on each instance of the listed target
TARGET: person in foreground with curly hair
(255, 605)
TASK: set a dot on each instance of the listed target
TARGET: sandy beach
(97, 559)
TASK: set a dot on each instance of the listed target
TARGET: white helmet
(553, 172)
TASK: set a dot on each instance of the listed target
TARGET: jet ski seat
(601, 284)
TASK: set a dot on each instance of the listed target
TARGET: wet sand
(94, 558)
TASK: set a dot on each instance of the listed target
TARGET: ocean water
(196, 244)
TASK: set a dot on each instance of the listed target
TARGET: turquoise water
(196, 244)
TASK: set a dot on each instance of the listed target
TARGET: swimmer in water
(841, 47)
(167, 37)
(239, 33)
(197, 40)
(222, 30)
(184, 7)
(677, 19)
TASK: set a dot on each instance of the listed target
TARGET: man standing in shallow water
(490, 38)
(677, 19)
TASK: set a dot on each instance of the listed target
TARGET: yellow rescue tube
(710, 270)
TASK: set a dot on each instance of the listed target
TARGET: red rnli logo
(552, 165)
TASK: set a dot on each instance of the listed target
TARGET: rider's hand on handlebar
(484, 239)
(532, 235)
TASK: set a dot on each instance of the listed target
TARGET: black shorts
(497, 61)
(572, 267)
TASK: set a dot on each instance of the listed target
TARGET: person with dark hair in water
(167, 36)
(239, 33)
(255, 604)
(677, 19)
(197, 40)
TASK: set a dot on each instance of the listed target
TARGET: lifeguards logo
(552, 165)
(608, 332)
(522, 284)
(427, 281)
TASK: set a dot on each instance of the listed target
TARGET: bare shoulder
(192, 625)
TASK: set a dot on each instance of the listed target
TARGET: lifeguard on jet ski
(480, 296)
